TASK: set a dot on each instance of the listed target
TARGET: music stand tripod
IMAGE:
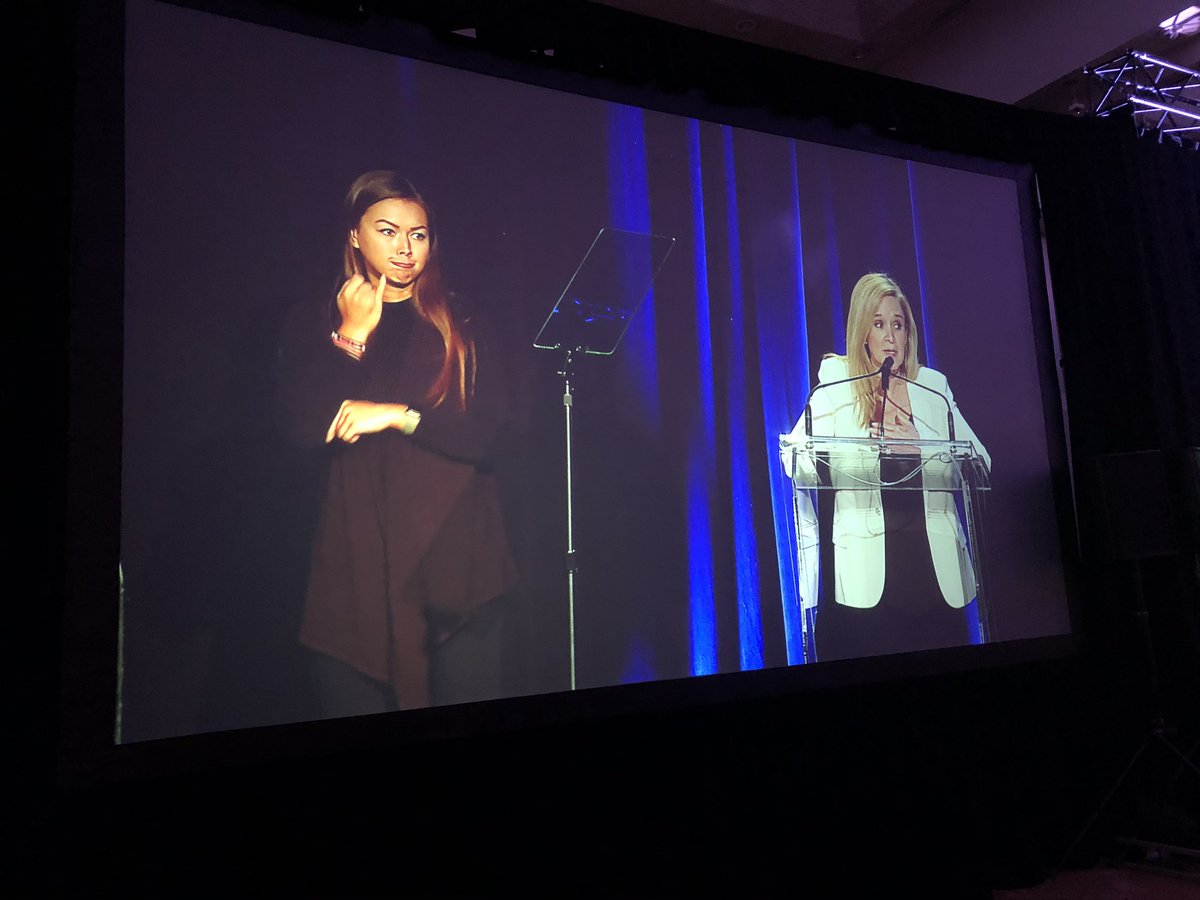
(589, 319)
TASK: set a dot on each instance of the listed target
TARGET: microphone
(824, 384)
(939, 394)
(885, 377)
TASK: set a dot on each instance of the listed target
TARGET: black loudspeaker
(1139, 504)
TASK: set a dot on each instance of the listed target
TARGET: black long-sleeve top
(404, 357)
(409, 524)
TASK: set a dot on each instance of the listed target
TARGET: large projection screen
(241, 141)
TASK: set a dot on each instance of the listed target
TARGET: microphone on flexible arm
(825, 384)
(944, 398)
(885, 374)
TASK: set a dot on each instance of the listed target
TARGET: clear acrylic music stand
(590, 318)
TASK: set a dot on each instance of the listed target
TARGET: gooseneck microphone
(885, 375)
(944, 399)
(808, 401)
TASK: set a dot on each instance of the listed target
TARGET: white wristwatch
(412, 418)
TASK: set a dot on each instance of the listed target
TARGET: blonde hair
(429, 298)
(868, 293)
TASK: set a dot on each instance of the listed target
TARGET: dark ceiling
(1024, 52)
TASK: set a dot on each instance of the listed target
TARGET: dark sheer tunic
(411, 539)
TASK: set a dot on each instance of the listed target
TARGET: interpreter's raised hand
(358, 417)
(361, 305)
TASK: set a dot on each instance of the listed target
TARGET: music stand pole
(568, 399)
(590, 317)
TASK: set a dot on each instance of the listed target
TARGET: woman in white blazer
(901, 569)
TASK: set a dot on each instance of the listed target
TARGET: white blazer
(858, 529)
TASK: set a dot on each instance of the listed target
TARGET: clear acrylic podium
(822, 466)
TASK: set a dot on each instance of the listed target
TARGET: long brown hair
(429, 297)
(868, 293)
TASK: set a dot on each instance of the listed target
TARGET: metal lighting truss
(1159, 96)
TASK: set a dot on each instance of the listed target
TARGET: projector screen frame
(91, 625)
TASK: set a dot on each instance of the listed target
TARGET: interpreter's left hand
(358, 417)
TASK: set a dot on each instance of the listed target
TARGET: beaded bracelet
(344, 342)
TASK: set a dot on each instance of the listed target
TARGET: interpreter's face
(888, 334)
(393, 236)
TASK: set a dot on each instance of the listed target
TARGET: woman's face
(393, 236)
(888, 333)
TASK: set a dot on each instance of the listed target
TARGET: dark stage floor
(1145, 872)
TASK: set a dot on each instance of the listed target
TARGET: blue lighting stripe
(974, 625)
(629, 202)
(640, 666)
(629, 209)
(783, 361)
(408, 97)
(702, 463)
(408, 86)
(744, 544)
(926, 355)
